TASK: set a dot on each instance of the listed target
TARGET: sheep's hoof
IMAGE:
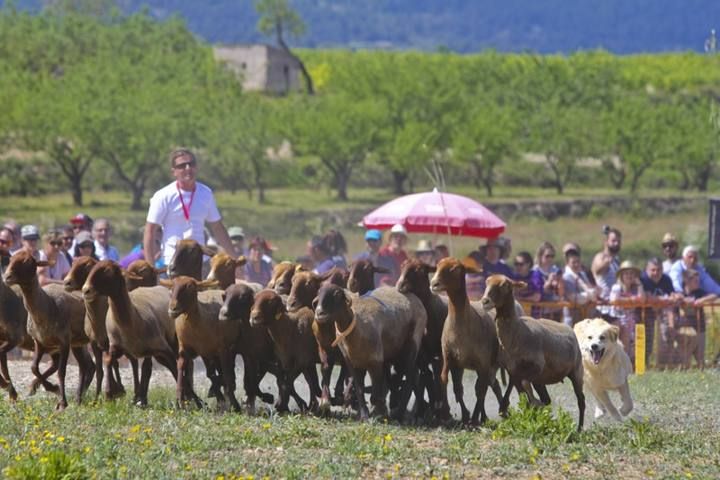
(61, 405)
(267, 397)
(13, 394)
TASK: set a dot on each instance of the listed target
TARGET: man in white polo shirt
(182, 208)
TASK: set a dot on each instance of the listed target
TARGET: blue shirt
(706, 281)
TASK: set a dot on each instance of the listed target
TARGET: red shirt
(397, 260)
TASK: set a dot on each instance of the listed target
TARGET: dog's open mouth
(597, 355)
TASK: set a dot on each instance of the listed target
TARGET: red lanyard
(186, 208)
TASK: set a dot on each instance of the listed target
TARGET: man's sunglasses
(184, 165)
(56, 243)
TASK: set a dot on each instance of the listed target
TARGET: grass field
(676, 434)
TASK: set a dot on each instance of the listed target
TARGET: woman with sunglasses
(59, 266)
(553, 287)
(533, 279)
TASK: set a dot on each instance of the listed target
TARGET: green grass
(676, 436)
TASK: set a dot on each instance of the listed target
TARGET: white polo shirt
(166, 210)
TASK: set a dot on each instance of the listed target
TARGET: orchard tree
(340, 132)
(485, 136)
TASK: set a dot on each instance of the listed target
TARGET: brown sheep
(13, 332)
(305, 287)
(294, 342)
(55, 321)
(188, 259)
(539, 351)
(222, 269)
(385, 327)
(361, 278)
(255, 344)
(137, 324)
(200, 332)
(142, 274)
(139, 274)
(415, 278)
(281, 279)
(468, 338)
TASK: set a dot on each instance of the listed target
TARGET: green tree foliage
(339, 131)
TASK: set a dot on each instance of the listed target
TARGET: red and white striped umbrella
(436, 212)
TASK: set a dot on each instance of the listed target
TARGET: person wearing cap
(690, 259)
(182, 208)
(81, 222)
(59, 266)
(237, 237)
(84, 245)
(373, 241)
(30, 234)
(670, 251)
(101, 231)
(393, 255)
(604, 268)
(627, 290)
(425, 252)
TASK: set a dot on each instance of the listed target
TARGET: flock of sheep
(406, 338)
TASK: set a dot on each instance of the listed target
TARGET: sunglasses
(56, 243)
(68, 239)
(184, 165)
(668, 245)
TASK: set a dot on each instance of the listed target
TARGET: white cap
(398, 228)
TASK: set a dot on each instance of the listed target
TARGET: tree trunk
(399, 182)
(77, 192)
(553, 164)
(137, 194)
(341, 183)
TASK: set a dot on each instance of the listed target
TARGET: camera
(605, 229)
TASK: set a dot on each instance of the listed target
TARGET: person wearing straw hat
(627, 290)
(690, 259)
(670, 251)
(425, 252)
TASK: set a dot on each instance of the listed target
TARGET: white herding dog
(606, 365)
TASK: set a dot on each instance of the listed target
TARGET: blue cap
(373, 235)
